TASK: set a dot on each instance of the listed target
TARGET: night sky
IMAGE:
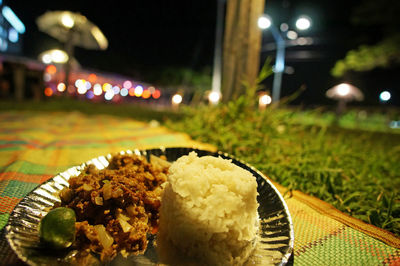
(147, 36)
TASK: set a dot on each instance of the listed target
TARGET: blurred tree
(382, 17)
(241, 47)
(186, 77)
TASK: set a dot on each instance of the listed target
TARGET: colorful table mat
(35, 146)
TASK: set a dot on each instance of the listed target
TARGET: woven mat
(36, 146)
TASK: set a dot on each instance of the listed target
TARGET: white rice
(209, 210)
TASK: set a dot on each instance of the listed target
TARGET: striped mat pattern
(35, 146)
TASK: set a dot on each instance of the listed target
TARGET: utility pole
(216, 79)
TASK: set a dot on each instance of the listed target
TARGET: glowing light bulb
(343, 89)
(214, 97)
(177, 99)
(264, 22)
(303, 23)
(67, 21)
(385, 96)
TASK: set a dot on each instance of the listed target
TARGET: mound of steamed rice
(209, 210)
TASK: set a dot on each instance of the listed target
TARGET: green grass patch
(131, 110)
(356, 170)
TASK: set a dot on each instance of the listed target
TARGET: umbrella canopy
(75, 28)
(346, 92)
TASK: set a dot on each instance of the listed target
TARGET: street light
(265, 22)
(385, 96)
(303, 23)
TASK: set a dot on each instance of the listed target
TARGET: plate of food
(164, 206)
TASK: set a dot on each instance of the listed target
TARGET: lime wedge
(57, 228)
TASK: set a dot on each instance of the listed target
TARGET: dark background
(147, 36)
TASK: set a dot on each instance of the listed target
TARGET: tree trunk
(242, 42)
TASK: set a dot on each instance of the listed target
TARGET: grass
(135, 111)
(352, 164)
(356, 170)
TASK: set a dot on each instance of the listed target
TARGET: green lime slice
(57, 228)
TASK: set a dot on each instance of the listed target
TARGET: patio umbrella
(344, 93)
(73, 29)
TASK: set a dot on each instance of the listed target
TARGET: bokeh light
(92, 77)
(303, 23)
(138, 90)
(48, 91)
(109, 95)
(146, 94)
(156, 94)
(343, 89)
(265, 99)
(177, 99)
(107, 86)
(264, 22)
(124, 92)
(97, 90)
(61, 87)
(214, 97)
(127, 84)
(51, 69)
(385, 96)
(116, 90)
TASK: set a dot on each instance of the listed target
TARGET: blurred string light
(385, 96)
(146, 94)
(90, 95)
(127, 84)
(92, 77)
(51, 69)
(109, 95)
(114, 93)
(107, 86)
(97, 89)
(124, 92)
(138, 91)
(61, 87)
(46, 77)
(156, 94)
(48, 92)
(116, 90)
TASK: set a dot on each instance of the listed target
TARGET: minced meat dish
(116, 207)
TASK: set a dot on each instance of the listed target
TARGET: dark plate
(275, 237)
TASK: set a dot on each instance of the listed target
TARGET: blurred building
(20, 77)
(11, 30)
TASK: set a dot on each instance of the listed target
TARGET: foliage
(385, 50)
(368, 57)
(180, 76)
(355, 170)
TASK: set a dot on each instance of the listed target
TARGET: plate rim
(285, 258)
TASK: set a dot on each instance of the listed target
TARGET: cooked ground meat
(116, 207)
